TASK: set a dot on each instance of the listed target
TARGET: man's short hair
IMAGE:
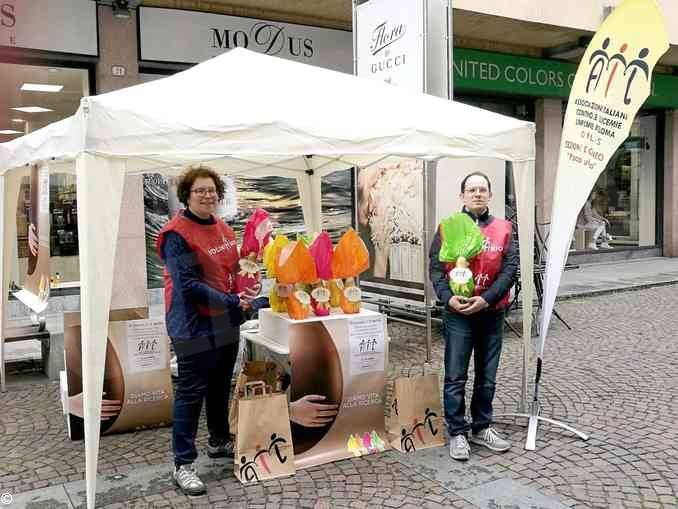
(476, 174)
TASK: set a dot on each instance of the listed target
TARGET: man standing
(475, 324)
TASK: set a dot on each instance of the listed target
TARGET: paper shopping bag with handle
(263, 445)
(416, 414)
(253, 371)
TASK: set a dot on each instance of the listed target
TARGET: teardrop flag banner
(613, 81)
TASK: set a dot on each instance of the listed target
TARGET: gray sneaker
(459, 448)
(188, 481)
(225, 449)
(491, 439)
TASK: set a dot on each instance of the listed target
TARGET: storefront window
(32, 97)
(625, 194)
(64, 219)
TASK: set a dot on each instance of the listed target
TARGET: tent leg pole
(425, 216)
(428, 334)
(425, 243)
(4, 265)
(522, 404)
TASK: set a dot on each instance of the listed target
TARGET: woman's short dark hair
(476, 174)
(193, 173)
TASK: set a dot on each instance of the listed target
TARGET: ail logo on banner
(603, 63)
(611, 84)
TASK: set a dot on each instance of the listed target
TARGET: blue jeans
(481, 333)
(205, 372)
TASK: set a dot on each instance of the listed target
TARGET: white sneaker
(491, 439)
(188, 481)
(593, 246)
(174, 366)
(459, 448)
(605, 245)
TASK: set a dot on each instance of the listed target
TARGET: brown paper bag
(416, 414)
(263, 444)
(252, 371)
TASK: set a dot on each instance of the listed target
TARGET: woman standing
(203, 317)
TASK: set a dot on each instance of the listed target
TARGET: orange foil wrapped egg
(349, 260)
(296, 267)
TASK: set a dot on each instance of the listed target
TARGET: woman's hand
(109, 407)
(248, 295)
(307, 412)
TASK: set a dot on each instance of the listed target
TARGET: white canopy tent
(242, 113)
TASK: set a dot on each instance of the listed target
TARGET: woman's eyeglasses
(203, 191)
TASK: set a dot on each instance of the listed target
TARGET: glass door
(625, 194)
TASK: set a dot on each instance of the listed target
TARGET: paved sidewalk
(600, 278)
(613, 376)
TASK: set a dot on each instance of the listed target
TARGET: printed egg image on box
(316, 370)
(137, 392)
(341, 360)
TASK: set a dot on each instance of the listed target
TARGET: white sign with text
(390, 43)
(205, 35)
(367, 340)
(144, 345)
(66, 26)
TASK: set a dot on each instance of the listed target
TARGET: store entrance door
(645, 173)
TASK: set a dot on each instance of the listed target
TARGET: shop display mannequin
(590, 219)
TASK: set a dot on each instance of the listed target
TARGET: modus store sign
(205, 35)
(390, 42)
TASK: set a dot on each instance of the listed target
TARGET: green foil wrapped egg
(461, 279)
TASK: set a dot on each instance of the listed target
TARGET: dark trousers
(205, 372)
(482, 334)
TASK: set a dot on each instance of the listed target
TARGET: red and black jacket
(201, 260)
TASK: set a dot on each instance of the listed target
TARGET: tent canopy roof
(257, 113)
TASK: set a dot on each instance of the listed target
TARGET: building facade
(520, 58)
(517, 58)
